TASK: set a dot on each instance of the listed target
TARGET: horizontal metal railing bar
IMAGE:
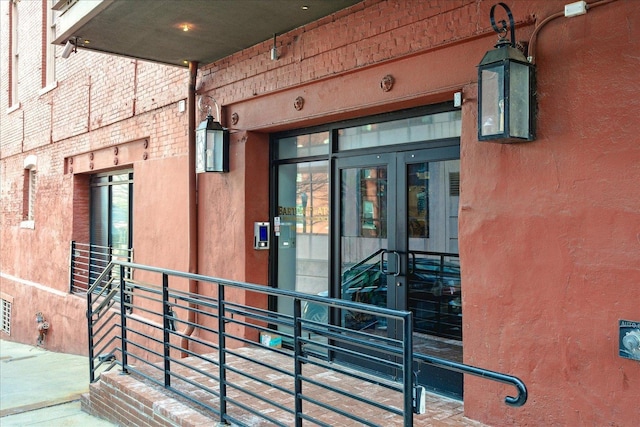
(236, 308)
(337, 332)
(362, 356)
(131, 354)
(194, 354)
(106, 344)
(100, 363)
(105, 309)
(273, 320)
(338, 411)
(350, 395)
(199, 371)
(196, 384)
(260, 397)
(209, 302)
(129, 291)
(383, 344)
(143, 310)
(199, 300)
(266, 329)
(108, 300)
(334, 366)
(254, 326)
(260, 380)
(361, 343)
(191, 338)
(196, 325)
(104, 320)
(364, 308)
(199, 312)
(263, 364)
(238, 338)
(99, 281)
(483, 373)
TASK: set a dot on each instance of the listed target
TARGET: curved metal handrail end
(523, 394)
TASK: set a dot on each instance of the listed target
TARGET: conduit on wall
(193, 205)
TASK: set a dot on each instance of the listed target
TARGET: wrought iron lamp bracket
(503, 29)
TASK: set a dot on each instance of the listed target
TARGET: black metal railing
(88, 261)
(204, 346)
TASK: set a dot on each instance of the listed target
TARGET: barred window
(5, 316)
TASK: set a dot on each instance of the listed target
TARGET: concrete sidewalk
(43, 388)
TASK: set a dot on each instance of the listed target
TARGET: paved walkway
(43, 388)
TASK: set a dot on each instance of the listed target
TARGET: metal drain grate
(5, 316)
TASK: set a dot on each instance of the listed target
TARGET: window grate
(454, 184)
(5, 316)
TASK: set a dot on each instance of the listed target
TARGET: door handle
(384, 270)
(412, 263)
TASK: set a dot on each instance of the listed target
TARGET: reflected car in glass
(434, 297)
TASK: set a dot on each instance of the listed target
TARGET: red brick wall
(100, 101)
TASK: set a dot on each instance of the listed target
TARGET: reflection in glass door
(433, 289)
(399, 249)
(363, 240)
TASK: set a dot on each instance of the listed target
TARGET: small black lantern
(212, 147)
(506, 90)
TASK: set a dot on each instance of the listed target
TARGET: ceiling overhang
(179, 31)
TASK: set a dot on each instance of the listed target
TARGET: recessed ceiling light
(184, 26)
(305, 7)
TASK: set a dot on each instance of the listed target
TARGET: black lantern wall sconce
(212, 142)
(506, 89)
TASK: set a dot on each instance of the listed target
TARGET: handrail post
(123, 321)
(71, 265)
(89, 266)
(165, 330)
(108, 261)
(222, 360)
(89, 315)
(407, 368)
(297, 345)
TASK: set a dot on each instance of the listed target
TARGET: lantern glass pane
(492, 113)
(218, 146)
(200, 150)
(519, 100)
(210, 146)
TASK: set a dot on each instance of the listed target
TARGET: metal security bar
(211, 349)
(89, 261)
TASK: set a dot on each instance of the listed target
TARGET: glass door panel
(363, 240)
(434, 291)
(303, 237)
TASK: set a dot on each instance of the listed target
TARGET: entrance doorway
(398, 248)
(367, 211)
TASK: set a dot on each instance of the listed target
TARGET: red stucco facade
(549, 230)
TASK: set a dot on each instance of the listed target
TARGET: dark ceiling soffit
(151, 30)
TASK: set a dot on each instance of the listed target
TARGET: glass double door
(398, 248)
